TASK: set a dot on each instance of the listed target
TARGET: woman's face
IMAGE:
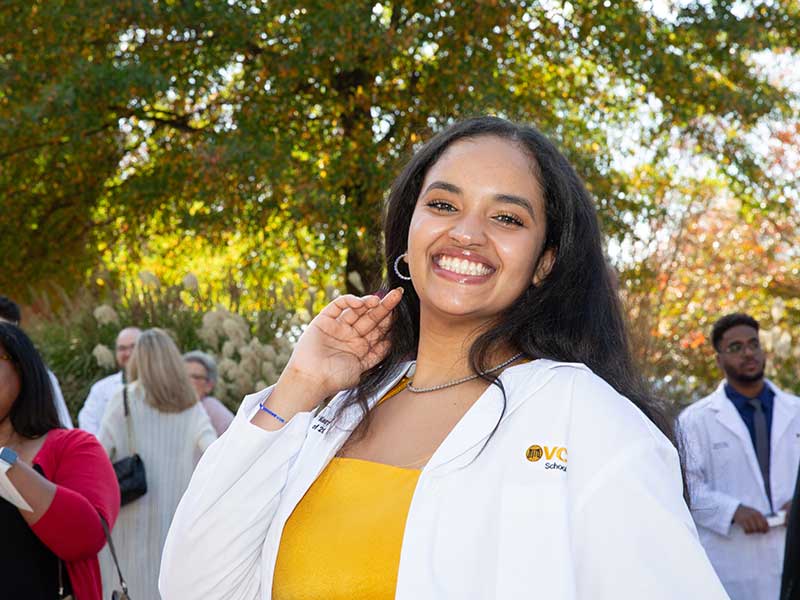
(199, 378)
(477, 230)
(9, 383)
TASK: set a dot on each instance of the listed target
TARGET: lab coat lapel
(784, 410)
(466, 439)
(730, 418)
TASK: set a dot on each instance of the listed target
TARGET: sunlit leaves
(127, 122)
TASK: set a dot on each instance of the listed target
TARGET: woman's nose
(468, 230)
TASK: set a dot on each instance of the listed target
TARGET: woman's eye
(441, 205)
(508, 219)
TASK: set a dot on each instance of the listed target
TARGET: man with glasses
(741, 445)
(91, 414)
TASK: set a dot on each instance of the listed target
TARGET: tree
(197, 118)
(707, 256)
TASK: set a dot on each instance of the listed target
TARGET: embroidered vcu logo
(536, 453)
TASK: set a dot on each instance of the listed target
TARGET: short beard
(750, 378)
(739, 377)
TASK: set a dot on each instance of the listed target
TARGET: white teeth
(463, 266)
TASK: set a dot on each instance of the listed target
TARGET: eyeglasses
(6, 357)
(198, 377)
(739, 347)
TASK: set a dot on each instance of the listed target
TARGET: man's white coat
(723, 472)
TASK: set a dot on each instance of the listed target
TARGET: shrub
(77, 340)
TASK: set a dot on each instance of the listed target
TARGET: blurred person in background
(10, 312)
(742, 452)
(63, 474)
(91, 414)
(169, 430)
(202, 370)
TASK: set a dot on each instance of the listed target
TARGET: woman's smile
(462, 266)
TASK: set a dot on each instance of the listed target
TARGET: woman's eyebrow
(443, 185)
(519, 201)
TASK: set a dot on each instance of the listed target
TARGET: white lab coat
(61, 405)
(723, 472)
(493, 524)
(91, 414)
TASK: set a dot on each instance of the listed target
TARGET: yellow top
(343, 539)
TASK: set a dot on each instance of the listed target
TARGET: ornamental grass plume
(149, 279)
(783, 345)
(104, 357)
(355, 280)
(105, 315)
(268, 353)
(236, 330)
(190, 282)
(228, 348)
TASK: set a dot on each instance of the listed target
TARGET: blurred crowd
(159, 406)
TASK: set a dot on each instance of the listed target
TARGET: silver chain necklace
(441, 386)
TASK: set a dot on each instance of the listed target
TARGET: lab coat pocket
(722, 456)
(533, 554)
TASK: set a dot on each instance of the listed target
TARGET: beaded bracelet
(270, 413)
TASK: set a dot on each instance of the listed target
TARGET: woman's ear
(545, 264)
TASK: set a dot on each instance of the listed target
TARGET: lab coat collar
(466, 439)
(469, 435)
(784, 410)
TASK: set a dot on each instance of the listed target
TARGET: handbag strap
(122, 583)
(60, 579)
(131, 445)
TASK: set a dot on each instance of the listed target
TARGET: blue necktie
(761, 442)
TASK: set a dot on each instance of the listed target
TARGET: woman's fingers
(352, 314)
(373, 317)
(366, 317)
(334, 309)
(392, 299)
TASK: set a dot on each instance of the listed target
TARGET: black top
(28, 568)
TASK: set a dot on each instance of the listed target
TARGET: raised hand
(345, 339)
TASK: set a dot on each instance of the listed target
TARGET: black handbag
(130, 470)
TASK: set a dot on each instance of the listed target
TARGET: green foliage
(77, 340)
(252, 144)
(128, 119)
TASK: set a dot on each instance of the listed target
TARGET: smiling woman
(486, 436)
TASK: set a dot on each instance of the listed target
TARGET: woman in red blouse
(63, 474)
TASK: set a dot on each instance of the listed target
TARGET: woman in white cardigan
(170, 430)
(518, 454)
